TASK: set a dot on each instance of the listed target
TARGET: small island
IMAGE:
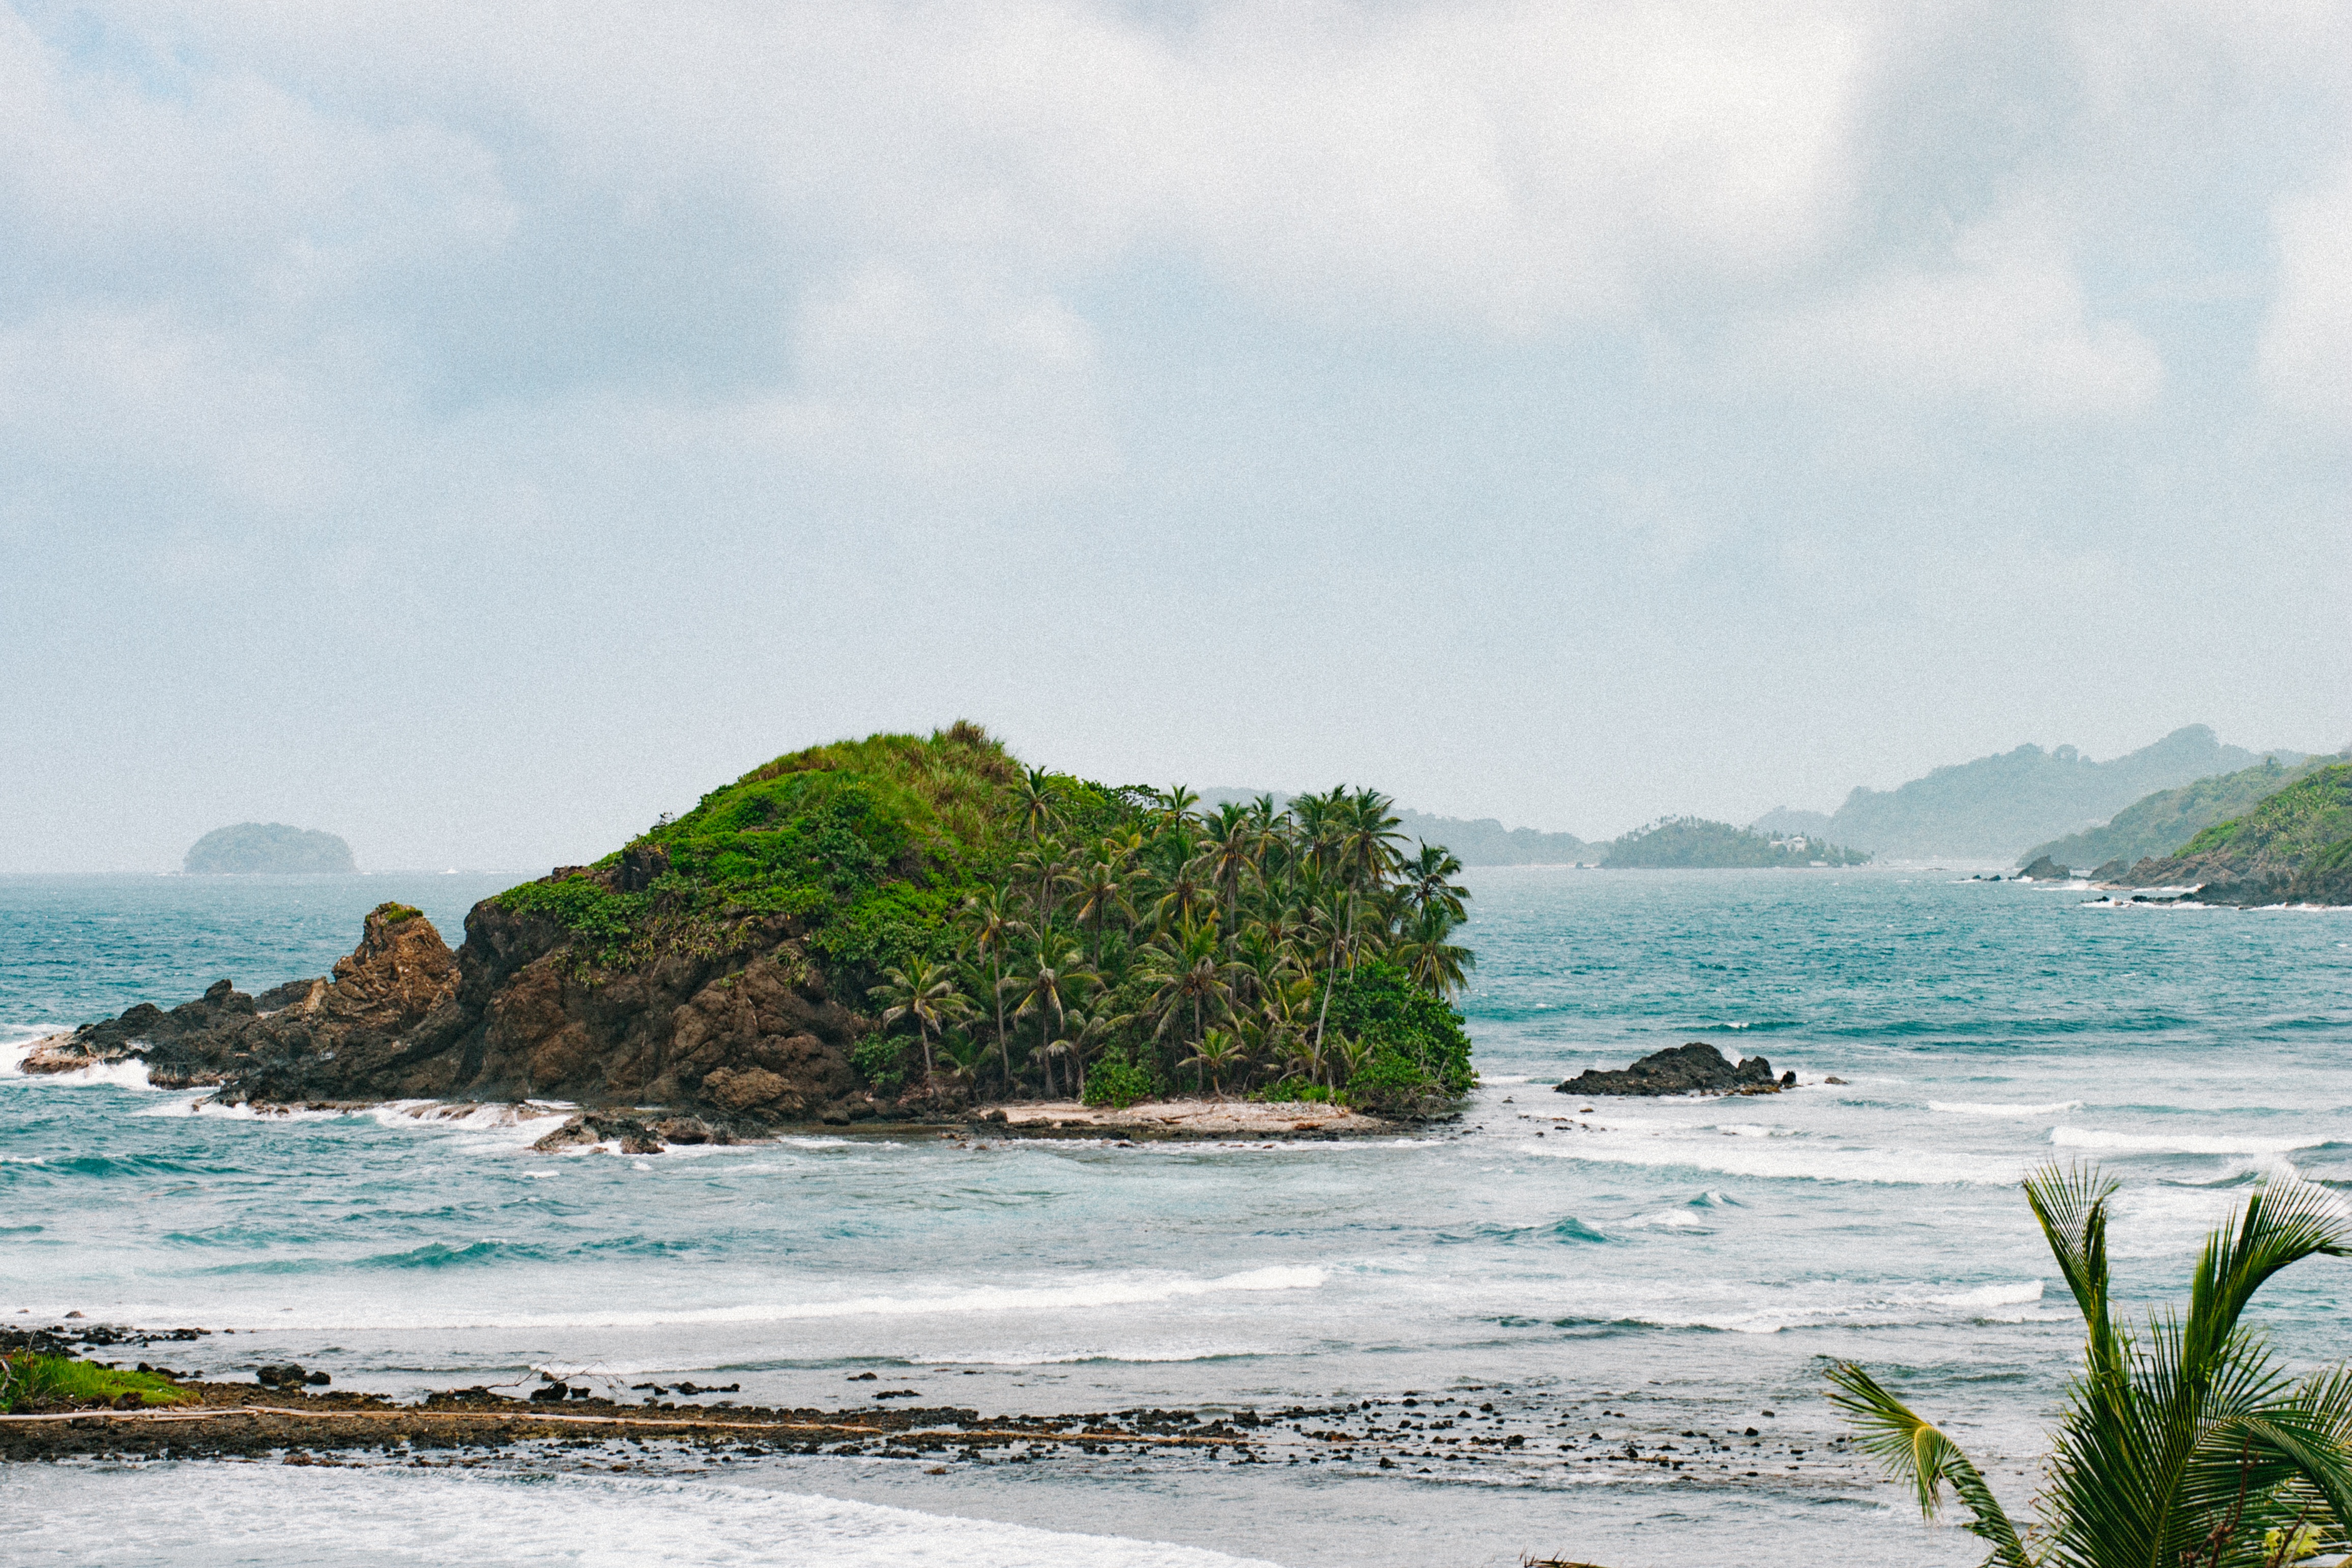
(900, 929)
(267, 849)
(1695, 842)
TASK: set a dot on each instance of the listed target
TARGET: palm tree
(1428, 881)
(1229, 857)
(1054, 978)
(1217, 1051)
(1187, 890)
(1434, 964)
(964, 1057)
(1101, 892)
(1188, 965)
(1175, 801)
(1082, 1035)
(994, 930)
(1352, 1053)
(1037, 801)
(926, 991)
(2191, 1450)
(1044, 863)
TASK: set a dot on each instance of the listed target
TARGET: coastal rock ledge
(1697, 1067)
(745, 1039)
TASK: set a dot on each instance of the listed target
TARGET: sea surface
(1629, 1270)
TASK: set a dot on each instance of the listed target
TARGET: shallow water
(1645, 1268)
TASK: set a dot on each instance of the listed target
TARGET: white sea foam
(274, 1517)
(1997, 1108)
(2180, 1142)
(128, 1073)
(1098, 1292)
(2011, 1302)
(1790, 1158)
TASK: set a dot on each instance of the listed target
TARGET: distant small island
(266, 849)
(1692, 842)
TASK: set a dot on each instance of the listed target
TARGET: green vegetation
(2289, 829)
(1693, 841)
(2157, 824)
(270, 849)
(398, 914)
(2190, 1447)
(32, 1380)
(1021, 931)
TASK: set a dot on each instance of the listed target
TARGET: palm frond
(2070, 1203)
(1917, 1452)
(2284, 1221)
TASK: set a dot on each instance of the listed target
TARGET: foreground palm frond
(2187, 1448)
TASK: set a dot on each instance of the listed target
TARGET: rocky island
(268, 849)
(1695, 1068)
(892, 928)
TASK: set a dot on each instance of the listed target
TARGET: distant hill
(1994, 807)
(1482, 841)
(266, 849)
(2159, 825)
(2295, 846)
(1692, 841)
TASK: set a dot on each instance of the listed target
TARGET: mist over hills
(1482, 841)
(2157, 826)
(1994, 807)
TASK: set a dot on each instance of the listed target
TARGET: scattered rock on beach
(1695, 1068)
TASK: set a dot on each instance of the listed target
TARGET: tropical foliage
(1016, 931)
(2185, 1447)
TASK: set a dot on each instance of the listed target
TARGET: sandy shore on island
(1183, 1119)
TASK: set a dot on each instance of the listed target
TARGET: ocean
(1594, 1270)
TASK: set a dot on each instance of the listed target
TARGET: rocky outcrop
(2045, 869)
(1697, 1067)
(748, 1035)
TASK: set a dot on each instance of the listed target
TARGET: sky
(476, 429)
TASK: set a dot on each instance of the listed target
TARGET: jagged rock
(2111, 870)
(747, 1034)
(632, 1135)
(1697, 1067)
(141, 1031)
(2045, 869)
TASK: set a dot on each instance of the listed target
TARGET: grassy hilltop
(2295, 847)
(1015, 932)
(2157, 824)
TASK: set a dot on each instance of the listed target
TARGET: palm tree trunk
(1003, 1044)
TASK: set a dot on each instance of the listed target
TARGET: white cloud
(2002, 322)
(2306, 345)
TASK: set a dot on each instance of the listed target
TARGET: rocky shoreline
(755, 1050)
(1471, 1432)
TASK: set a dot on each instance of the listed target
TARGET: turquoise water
(1646, 1268)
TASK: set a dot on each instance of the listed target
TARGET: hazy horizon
(475, 431)
(1211, 791)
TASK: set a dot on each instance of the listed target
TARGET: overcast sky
(477, 428)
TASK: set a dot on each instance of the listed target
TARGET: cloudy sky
(477, 428)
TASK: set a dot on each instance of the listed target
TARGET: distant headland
(266, 849)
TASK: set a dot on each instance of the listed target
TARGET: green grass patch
(29, 1381)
